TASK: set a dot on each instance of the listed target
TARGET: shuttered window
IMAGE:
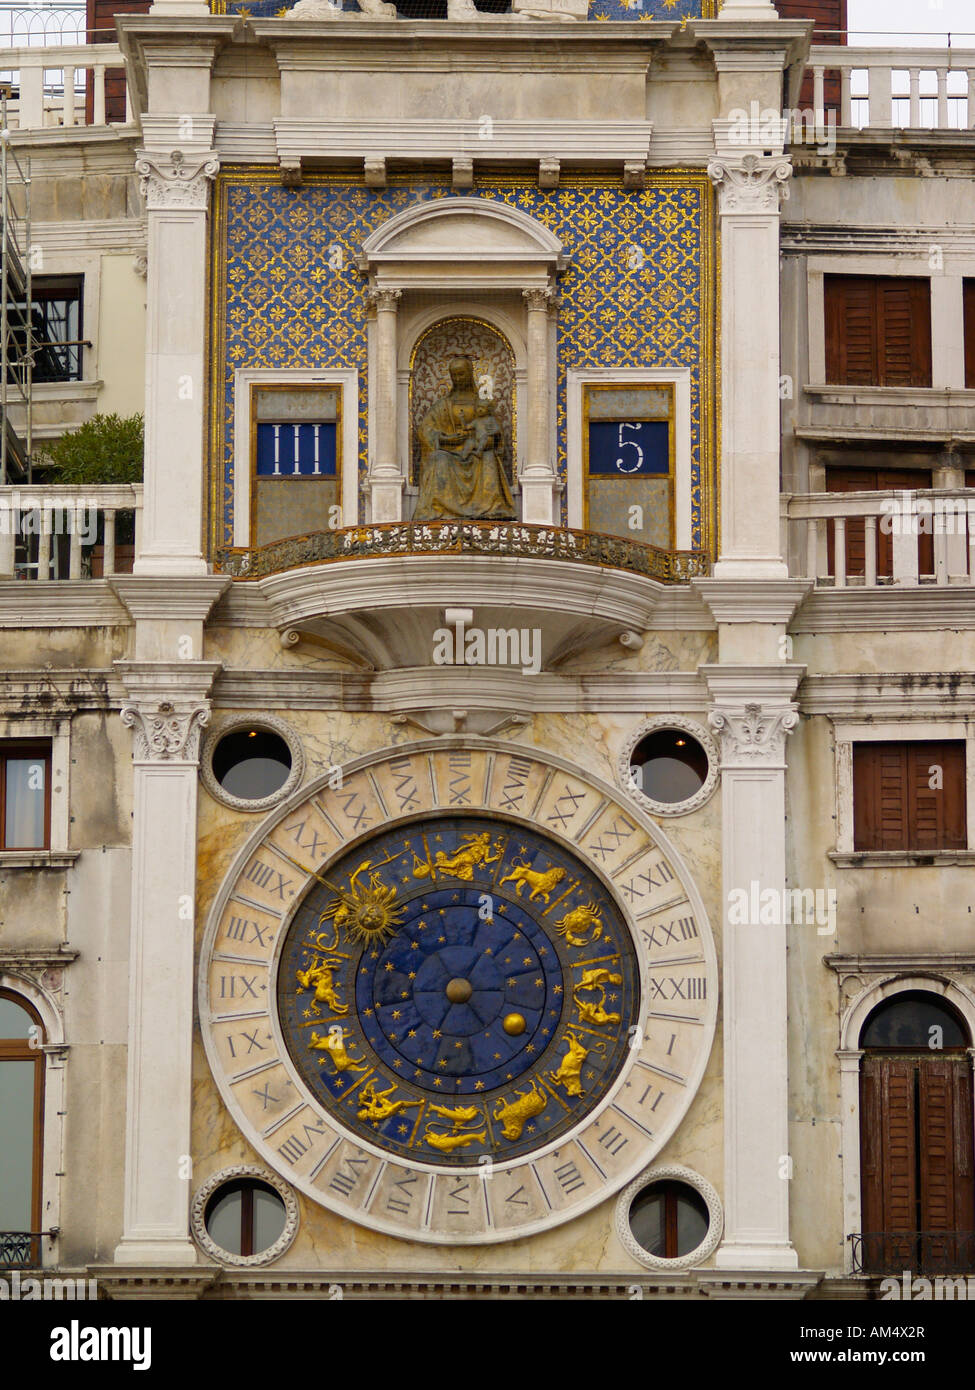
(876, 480)
(878, 330)
(909, 796)
(969, 301)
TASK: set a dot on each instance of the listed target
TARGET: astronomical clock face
(464, 996)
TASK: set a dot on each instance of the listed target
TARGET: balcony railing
(48, 85)
(22, 1249)
(905, 537)
(918, 1252)
(49, 533)
(470, 538)
(903, 88)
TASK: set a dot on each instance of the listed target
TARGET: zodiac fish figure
(318, 977)
(333, 1043)
(457, 1137)
(376, 1106)
(474, 851)
(365, 914)
(580, 919)
(541, 884)
(518, 1112)
(590, 1011)
(570, 1067)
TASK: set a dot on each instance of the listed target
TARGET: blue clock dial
(458, 988)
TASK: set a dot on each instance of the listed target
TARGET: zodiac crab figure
(579, 921)
(365, 913)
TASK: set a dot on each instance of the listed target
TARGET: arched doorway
(916, 1140)
(22, 1109)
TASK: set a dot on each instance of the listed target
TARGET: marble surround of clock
(331, 889)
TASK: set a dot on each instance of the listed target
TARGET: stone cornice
(166, 598)
(148, 681)
(899, 961)
(889, 608)
(61, 603)
(740, 685)
(890, 695)
(752, 601)
(474, 688)
(47, 693)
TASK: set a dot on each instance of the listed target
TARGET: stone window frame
(695, 731)
(679, 380)
(56, 731)
(848, 732)
(670, 1172)
(272, 724)
(245, 378)
(230, 1175)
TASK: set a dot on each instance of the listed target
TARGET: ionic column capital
(540, 300)
(384, 301)
(166, 731)
(753, 735)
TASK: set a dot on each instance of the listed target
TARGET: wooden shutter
(100, 20)
(888, 1161)
(880, 796)
(969, 303)
(830, 17)
(937, 815)
(895, 808)
(947, 1191)
(878, 330)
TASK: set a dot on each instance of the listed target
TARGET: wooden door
(916, 1162)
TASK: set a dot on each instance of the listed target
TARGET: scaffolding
(17, 344)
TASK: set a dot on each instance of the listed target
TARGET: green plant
(105, 449)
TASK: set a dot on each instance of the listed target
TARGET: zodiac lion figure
(580, 920)
(541, 884)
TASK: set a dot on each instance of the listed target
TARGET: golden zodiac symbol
(475, 850)
(333, 1043)
(318, 977)
(365, 914)
(580, 919)
(517, 1112)
(541, 884)
(570, 1067)
(589, 1011)
(456, 1137)
(376, 1105)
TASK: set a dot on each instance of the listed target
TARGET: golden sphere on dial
(514, 1024)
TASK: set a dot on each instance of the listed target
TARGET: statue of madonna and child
(461, 473)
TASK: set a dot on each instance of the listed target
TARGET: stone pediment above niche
(462, 241)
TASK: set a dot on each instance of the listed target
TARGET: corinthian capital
(384, 300)
(753, 736)
(751, 184)
(177, 180)
(543, 299)
(166, 731)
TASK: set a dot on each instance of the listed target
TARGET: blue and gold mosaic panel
(639, 292)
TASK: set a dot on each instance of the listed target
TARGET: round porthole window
(671, 768)
(244, 1216)
(252, 764)
(669, 1218)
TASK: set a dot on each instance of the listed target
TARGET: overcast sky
(921, 23)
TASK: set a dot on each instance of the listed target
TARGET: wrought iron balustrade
(919, 1252)
(21, 1249)
(506, 538)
